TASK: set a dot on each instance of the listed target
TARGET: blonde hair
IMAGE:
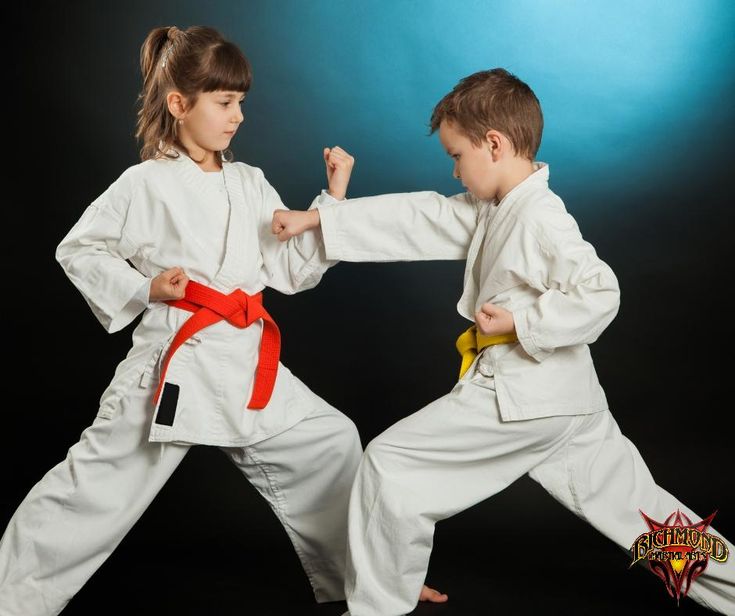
(494, 100)
(189, 61)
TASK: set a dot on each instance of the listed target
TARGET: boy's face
(474, 165)
(213, 120)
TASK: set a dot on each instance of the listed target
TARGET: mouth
(230, 133)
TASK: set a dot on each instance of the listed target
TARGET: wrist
(338, 194)
(314, 219)
(154, 292)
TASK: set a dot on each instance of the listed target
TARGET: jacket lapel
(466, 303)
(230, 269)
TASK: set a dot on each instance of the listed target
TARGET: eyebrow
(232, 94)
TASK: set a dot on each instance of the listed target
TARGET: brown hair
(493, 100)
(191, 61)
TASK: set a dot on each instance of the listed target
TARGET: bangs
(227, 69)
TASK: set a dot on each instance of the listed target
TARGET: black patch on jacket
(167, 408)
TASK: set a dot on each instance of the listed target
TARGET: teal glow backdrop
(637, 95)
(619, 82)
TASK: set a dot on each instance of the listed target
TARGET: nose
(239, 116)
(455, 171)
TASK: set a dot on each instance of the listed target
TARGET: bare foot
(431, 595)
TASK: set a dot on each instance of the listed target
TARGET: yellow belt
(471, 342)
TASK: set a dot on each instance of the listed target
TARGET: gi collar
(172, 151)
(538, 179)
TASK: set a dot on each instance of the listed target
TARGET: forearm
(115, 291)
(111, 287)
(566, 318)
(298, 263)
(399, 227)
(313, 220)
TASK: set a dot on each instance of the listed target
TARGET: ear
(177, 104)
(496, 143)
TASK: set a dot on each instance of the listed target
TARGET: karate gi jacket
(149, 220)
(525, 254)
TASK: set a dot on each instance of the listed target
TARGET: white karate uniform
(534, 406)
(299, 452)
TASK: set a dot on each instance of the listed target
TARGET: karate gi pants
(456, 452)
(73, 519)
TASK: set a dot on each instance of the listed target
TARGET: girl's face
(213, 120)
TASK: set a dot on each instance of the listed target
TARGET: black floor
(217, 581)
(517, 553)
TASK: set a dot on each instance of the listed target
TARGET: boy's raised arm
(416, 226)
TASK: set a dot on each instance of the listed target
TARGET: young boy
(538, 294)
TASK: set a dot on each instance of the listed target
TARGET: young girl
(204, 366)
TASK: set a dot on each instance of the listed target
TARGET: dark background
(638, 103)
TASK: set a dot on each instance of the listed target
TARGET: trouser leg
(305, 473)
(429, 466)
(601, 476)
(76, 515)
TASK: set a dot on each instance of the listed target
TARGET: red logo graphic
(678, 550)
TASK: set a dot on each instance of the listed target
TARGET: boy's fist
(339, 168)
(492, 320)
(288, 223)
(170, 284)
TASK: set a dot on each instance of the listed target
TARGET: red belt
(241, 310)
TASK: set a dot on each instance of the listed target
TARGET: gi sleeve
(299, 263)
(415, 226)
(93, 254)
(580, 294)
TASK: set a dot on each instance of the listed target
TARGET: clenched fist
(339, 168)
(170, 284)
(288, 223)
(492, 320)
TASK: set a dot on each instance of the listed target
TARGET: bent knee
(381, 452)
(346, 435)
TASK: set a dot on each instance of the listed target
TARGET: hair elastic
(166, 54)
